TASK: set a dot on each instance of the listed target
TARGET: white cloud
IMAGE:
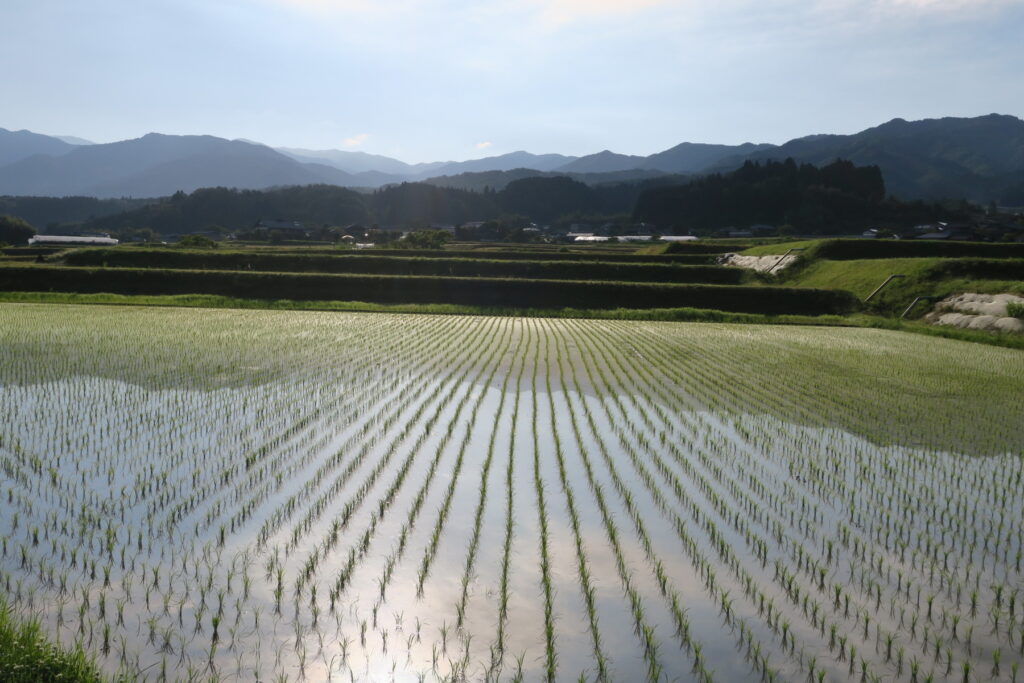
(947, 5)
(359, 6)
(356, 140)
(549, 14)
(914, 7)
(483, 145)
(555, 13)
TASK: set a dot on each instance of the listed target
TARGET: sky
(429, 80)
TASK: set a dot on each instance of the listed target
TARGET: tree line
(832, 199)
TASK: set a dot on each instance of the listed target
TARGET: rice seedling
(255, 480)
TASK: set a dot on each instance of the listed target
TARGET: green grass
(216, 301)
(860, 277)
(682, 268)
(1009, 341)
(26, 656)
(778, 248)
(403, 289)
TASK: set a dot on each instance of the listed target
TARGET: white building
(71, 241)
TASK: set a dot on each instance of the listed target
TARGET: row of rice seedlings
(380, 421)
(889, 544)
(586, 583)
(668, 591)
(715, 500)
(907, 584)
(491, 357)
(442, 515)
(165, 601)
(712, 584)
(352, 504)
(498, 659)
(550, 651)
(360, 548)
(485, 471)
(805, 602)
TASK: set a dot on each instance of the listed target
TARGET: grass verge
(216, 301)
(26, 656)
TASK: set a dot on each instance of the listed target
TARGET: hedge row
(29, 251)
(407, 289)
(979, 269)
(697, 247)
(845, 250)
(399, 265)
(546, 255)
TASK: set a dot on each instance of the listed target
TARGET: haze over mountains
(980, 159)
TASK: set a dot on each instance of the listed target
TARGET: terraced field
(241, 494)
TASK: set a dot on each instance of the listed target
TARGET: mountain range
(980, 159)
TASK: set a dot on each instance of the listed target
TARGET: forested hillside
(837, 198)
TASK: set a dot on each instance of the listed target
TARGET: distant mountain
(980, 159)
(692, 157)
(498, 180)
(973, 158)
(353, 162)
(158, 165)
(393, 170)
(21, 144)
(602, 162)
(72, 140)
(505, 162)
(686, 158)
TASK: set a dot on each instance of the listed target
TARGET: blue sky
(425, 80)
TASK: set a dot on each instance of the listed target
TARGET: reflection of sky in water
(167, 470)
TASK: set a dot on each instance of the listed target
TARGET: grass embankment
(856, 249)
(379, 263)
(26, 656)
(214, 301)
(561, 254)
(722, 246)
(489, 292)
(937, 269)
(923, 277)
(779, 248)
(860, 277)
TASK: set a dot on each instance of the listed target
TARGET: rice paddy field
(272, 495)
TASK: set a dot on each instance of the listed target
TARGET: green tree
(194, 241)
(14, 230)
(423, 239)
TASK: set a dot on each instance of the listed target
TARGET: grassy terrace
(930, 269)
(682, 268)
(677, 281)
(395, 289)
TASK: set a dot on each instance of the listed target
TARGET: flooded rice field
(239, 495)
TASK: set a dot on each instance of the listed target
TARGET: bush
(424, 239)
(197, 241)
(979, 269)
(844, 250)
